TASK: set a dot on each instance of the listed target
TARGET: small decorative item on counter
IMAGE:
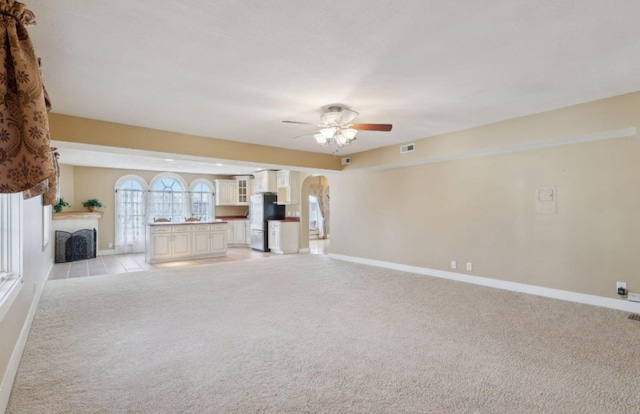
(92, 204)
(58, 207)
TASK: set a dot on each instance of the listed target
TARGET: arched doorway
(315, 217)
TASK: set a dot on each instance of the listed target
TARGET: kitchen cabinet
(265, 182)
(288, 187)
(209, 240)
(226, 192)
(243, 190)
(238, 232)
(283, 236)
(165, 243)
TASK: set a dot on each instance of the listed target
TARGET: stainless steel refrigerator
(263, 207)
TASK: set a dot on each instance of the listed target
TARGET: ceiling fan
(336, 127)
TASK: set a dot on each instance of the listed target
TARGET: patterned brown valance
(26, 158)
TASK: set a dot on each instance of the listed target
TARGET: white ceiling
(236, 69)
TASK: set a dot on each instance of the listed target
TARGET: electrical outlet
(621, 288)
(454, 264)
(111, 245)
(469, 266)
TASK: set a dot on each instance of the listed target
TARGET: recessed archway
(316, 186)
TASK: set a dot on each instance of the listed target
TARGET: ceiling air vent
(346, 160)
(407, 148)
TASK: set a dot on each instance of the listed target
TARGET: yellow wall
(579, 120)
(89, 131)
(66, 187)
(481, 209)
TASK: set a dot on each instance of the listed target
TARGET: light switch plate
(546, 199)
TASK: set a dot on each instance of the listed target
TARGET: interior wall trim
(618, 304)
(630, 132)
(106, 252)
(16, 355)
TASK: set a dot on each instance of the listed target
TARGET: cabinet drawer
(181, 229)
(201, 227)
(160, 229)
(274, 225)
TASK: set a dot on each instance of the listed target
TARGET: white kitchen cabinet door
(161, 245)
(201, 243)
(229, 229)
(265, 182)
(239, 232)
(181, 244)
(218, 241)
(274, 235)
(288, 187)
(283, 178)
(242, 191)
(225, 192)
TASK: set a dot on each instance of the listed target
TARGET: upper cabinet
(243, 190)
(265, 182)
(288, 187)
(236, 192)
(225, 192)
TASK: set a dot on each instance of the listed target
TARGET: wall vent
(346, 160)
(407, 148)
(634, 317)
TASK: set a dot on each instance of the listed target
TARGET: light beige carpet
(308, 334)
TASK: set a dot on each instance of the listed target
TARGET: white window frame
(185, 191)
(212, 210)
(11, 281)
(118, 187)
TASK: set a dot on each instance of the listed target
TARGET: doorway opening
(315, 214)
(318, 242)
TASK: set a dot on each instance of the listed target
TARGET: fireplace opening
(79, 245)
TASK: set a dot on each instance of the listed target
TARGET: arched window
(202, 199)
(130, 199)
(168, 198)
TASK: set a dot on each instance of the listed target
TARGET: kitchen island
(168, 242)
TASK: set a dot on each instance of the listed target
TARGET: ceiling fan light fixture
(336, 127)
(349, 133)
(321, 139)
(330, 118)
(328, 132)
(341, 139)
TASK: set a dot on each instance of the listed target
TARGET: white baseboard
(618, 304)
(304, 250)
(106, 252)
(16, 355)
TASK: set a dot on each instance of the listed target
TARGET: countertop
(294, 219)
(169, 223)
(231, 218)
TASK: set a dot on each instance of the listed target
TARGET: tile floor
(125, 263)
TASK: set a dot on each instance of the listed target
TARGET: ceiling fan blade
(296, 122)
(372, 127)
(346, 116)
(308, 133)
